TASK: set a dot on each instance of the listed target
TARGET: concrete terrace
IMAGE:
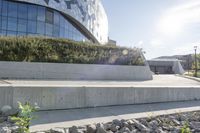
(70, 94)
(158, 81)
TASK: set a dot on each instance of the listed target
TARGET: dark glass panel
(62, 32)
(5, 8)
(0, 22)
(32, 12)
(4, 23)
(22, 11)
(56, 18)
(32, 27)
(21, 33)
(11, 33)
(62, 21)
(0, 7)
(41, 28)
(4, 32)
(41, 14)
(22, 25)
(56, 31)
(49, 16)
(12, 9)
(12, 24)
(49, 29)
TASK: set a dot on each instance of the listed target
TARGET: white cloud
(176, 18)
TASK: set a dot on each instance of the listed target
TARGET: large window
(22, 11)
(20, 19)
(22, 25)
(49, 16)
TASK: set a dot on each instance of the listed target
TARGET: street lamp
(195, 50)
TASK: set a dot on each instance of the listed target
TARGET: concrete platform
(51, 94)
(79, 117)
(158, 81)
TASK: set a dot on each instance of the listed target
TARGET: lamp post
(195, 56)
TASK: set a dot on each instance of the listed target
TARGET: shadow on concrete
(57, 116)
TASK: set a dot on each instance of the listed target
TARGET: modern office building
(79, 20)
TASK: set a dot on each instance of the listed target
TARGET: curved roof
(88, 14)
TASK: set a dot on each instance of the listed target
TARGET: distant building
(166, 66)
(186, 60)
(112, 42)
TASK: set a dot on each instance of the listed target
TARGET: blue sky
(160, 27)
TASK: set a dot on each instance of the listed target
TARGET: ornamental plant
(24, 116)
(52, 50)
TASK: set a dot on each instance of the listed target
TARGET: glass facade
(20, 19)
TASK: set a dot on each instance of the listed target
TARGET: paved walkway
(80, 117)
(158, 80)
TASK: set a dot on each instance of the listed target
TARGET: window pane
(4, 23)
(11, 33)
(41, 28)
(31, 26)
(22, 25)
(62, 21)
(12, 24)
(62, 32)
(49, 29)
(5, 8)
(32, 12)
(56, 30)
(22, 11)
(49, 16)
(0, 22)
(56, 18)
(3, 32)
(0, 6)
(41, 14)
(21, 33)
(12, 9)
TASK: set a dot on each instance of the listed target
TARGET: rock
(153, 124)
(140, 126)
(195, 125)
(100, 128)
(5, 130)
(73, 129)
(91, 129)
(125, 124)
(3, 119)
(107, 126)
(57, 130)
(6, 110)
(114, 128)
(183, 117)
(176, 122)
(117, 122)
(130, 122)
(124, 130)
(14, 129)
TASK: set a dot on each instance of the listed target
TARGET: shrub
(24, 117)
(38, 49)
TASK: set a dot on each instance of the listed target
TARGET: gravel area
(176, 123)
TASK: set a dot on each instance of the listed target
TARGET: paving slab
(158, 80)
(79, 117)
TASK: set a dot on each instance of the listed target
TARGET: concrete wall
(25, 70)
(80, 97)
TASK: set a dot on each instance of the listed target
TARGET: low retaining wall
(49, 98)
(25, 70)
